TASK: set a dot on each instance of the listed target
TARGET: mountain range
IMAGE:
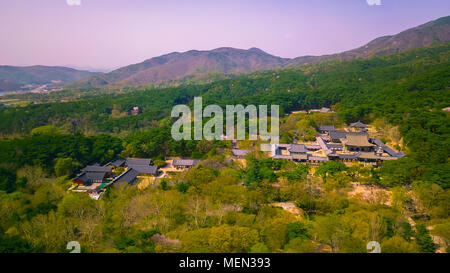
(14, 78)
(191, 64)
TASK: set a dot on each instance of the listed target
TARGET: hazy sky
(113, 33)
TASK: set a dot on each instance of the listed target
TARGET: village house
(293, 152)
(93, 180)
(138, 162)
(325, 129)
(135, 111)
(116, 163)
(97, 169)
(182, 164)
(347, 147)
(359, 126)
(93, 174)
(142, 166)
(89, 178)
(357, 143)
(298, 152)
(337, 136)
(129, 177)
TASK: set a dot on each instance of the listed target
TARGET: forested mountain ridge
(431, 33)
(176, 66)
(12, 78)
(407, 90)
(360, 84)
(204, 65)
(221, 205)
(207, 66)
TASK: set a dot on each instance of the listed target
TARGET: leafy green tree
(63, 166)
(15, 244)
(299, 245)
(7, 180)
(424, 239)
(329, 168)
(438, 174)
(399, 172)
(230, 239)
(397, 244)
(45, 130)
(296, 230)
(118, 170)
(259, 248)
(160, 163)
(274, 232)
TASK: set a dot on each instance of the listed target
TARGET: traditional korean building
(185, 163)
(128, 177)
(357, 143)
(298, 152)
(97, 169)
(359, 125)
(142, 166)
(325, 129)
(118, 162)
(87, 178)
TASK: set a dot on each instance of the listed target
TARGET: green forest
(222, 205)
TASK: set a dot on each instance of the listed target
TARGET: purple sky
(108, 34)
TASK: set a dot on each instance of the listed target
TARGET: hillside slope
(179, 66)
(14, 77)
(431, 33)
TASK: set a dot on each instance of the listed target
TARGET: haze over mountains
(17, 78)
(194, 63)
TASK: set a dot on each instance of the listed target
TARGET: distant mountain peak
(226, 60)
(255, 49)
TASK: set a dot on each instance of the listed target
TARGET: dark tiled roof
(377, 142)
(334, 146)
(91, 177)
(185, 162)
(145, 169)
(324, 146)
(357, 140)
(358, 124)
(297, 148)
(287, 157)
(117, 162)
(138, 162)
(97, 169)
(342, 134)
(349, 156)
(337, 134)
(388, 149)
(327, 128)
(238, 152)
(129, 176)
(368, 155)
(312, 146)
